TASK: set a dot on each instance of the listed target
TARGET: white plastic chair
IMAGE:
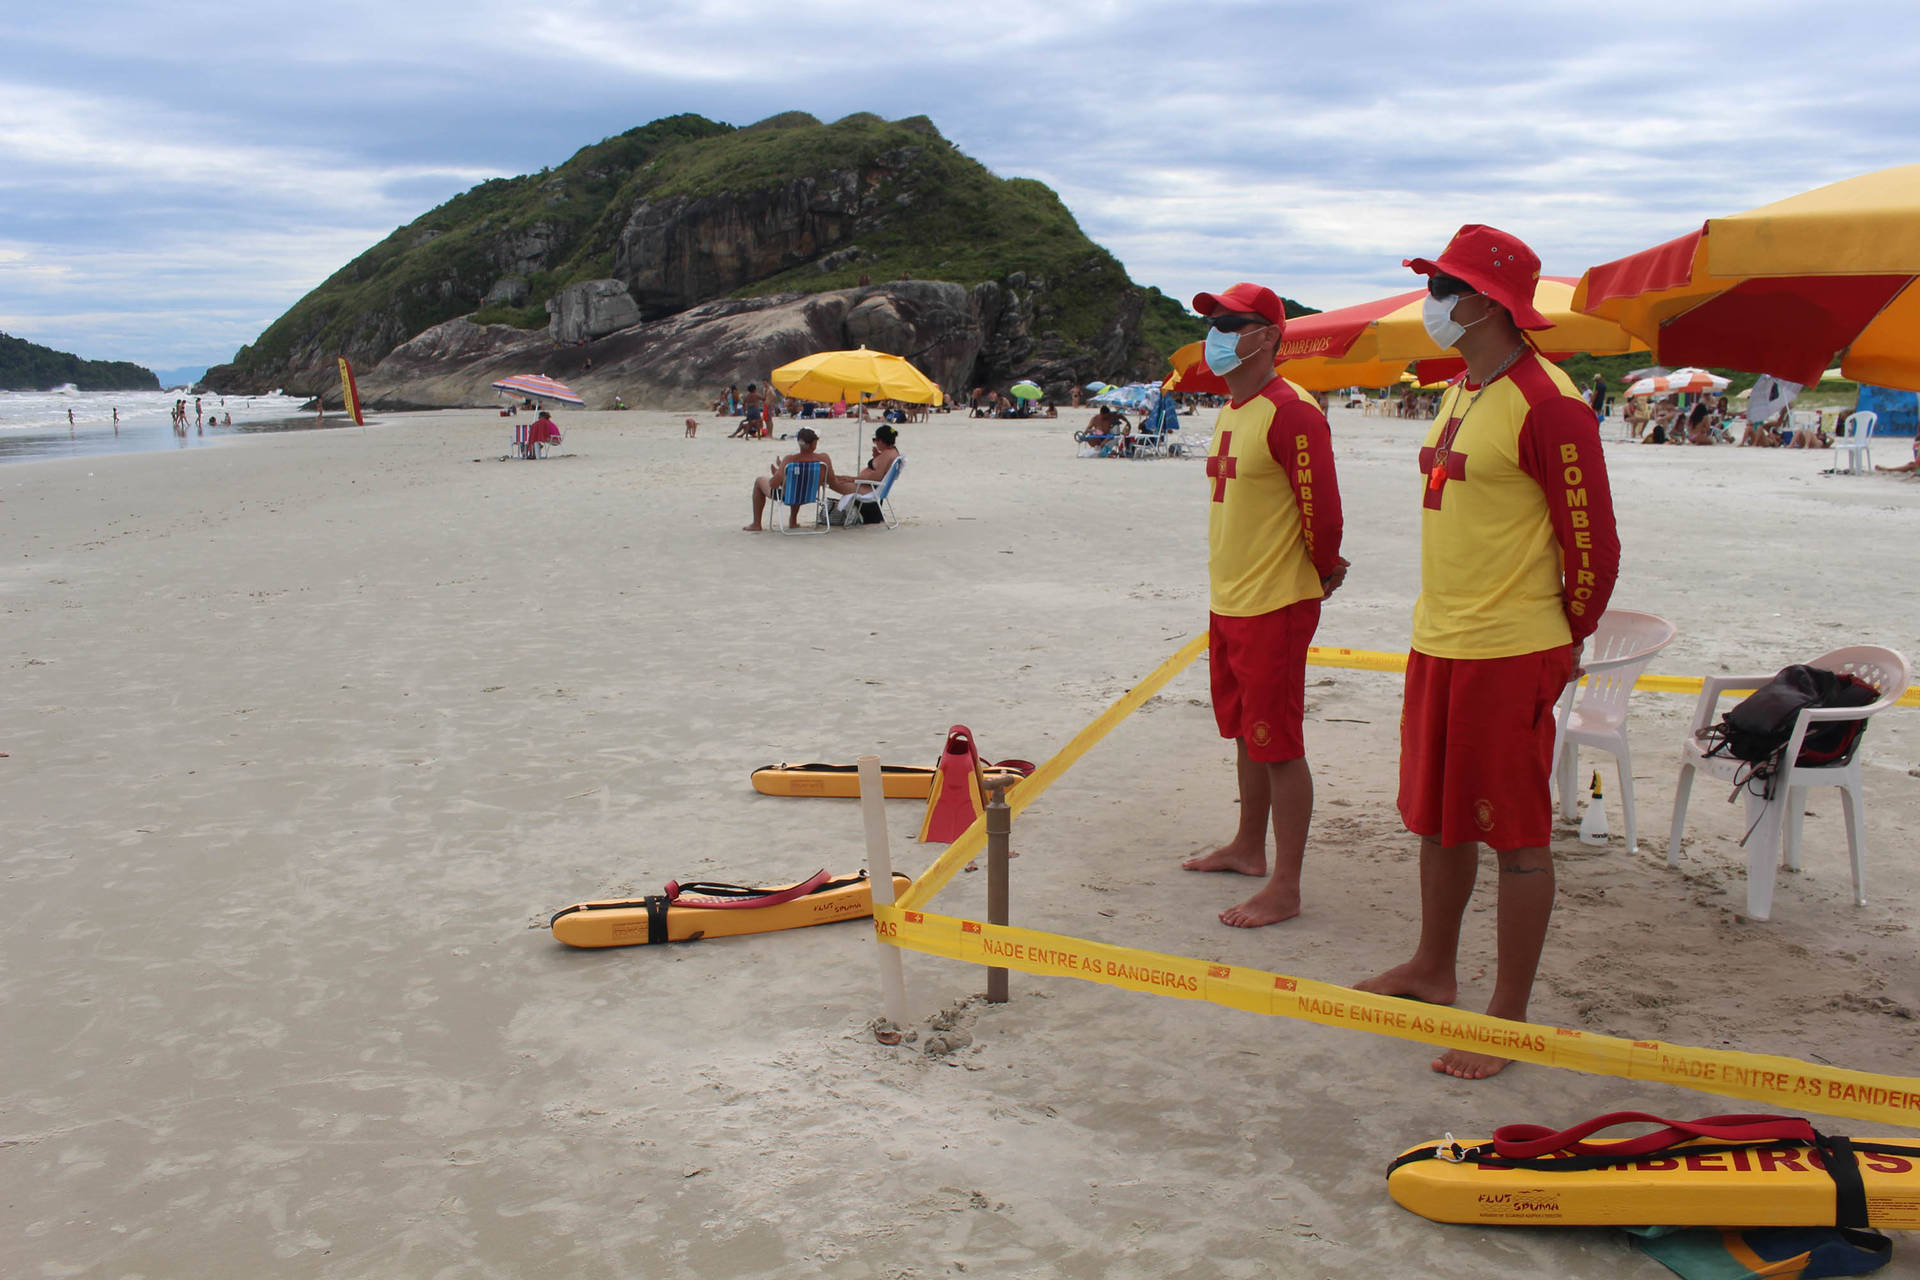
(875, 491)
(1617, 652)
(1857, 444)
(1886, 670)
(801, 487)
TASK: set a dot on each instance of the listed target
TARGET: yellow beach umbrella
(827, 376)
(1781, 288)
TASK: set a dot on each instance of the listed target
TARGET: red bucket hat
(1494, 263)
(1244, 299)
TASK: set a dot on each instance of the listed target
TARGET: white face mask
(1437, 315)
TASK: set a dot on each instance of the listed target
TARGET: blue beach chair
(801, 487)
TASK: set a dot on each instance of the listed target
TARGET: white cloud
(221, 169)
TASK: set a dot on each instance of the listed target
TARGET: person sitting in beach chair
(884, 452)
(530, 440)
(1636, 417)
(769, 484)
(1104, 433)
(869, 488)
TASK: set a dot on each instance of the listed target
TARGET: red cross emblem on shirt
(1438, 473)
(1222, 466)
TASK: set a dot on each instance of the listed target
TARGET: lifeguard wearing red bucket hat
(1493, 262)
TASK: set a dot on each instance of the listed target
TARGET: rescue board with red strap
(688, 912)
(1723, 1171)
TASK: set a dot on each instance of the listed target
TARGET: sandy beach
(309, 735)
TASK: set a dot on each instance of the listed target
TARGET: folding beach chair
(801, 487)
(875, 492)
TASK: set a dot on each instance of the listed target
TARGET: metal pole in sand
(999, 834)
(893, 977)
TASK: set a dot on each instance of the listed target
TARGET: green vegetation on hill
(924, 210)
(442, 263)
(28, 366)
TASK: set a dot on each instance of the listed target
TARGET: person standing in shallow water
(1273, 553)
(1518, 557)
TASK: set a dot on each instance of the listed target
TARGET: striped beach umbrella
(540, 388)
(1688, 381)
(1782, 288)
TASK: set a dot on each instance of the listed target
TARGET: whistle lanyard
(1444, 446)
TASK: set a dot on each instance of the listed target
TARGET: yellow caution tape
(974, 838)
(1782, 1082)
(1375, 660)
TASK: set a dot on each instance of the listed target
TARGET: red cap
(1243, 299)
(1494, 263)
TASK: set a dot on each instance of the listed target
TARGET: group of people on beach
(757, 409)
(879, 461)
(200, 417)
(1519, 555)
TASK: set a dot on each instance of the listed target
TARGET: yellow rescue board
(842, 781)
(632, 922)
(1778, 1185)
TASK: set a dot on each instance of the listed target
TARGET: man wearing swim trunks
(1518, 557)
(1273, 552)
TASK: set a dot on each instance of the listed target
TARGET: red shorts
(1260, 678)
(1476, 747)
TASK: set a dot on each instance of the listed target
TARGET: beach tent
(1899, 411)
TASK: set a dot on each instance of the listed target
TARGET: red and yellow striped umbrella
(1781, 288)
(1370, 344)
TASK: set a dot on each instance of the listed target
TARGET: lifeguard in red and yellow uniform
(1273, 553)
(1518, 556)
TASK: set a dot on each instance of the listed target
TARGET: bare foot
(1415, 983)
(1462, 1065)
(1231, 857)
(1262, 909)
(749, 528)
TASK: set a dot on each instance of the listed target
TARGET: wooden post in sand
(893, 977)
(999, 837)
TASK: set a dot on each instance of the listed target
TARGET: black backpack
(1758, 729)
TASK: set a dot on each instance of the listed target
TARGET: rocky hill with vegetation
(686, 212)
(28, 366)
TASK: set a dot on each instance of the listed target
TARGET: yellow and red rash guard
(1518, 550)
(1273, 527)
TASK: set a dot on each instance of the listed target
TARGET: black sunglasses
(1442, 286)
(1236, 324)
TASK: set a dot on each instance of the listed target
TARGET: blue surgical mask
(1222, 351)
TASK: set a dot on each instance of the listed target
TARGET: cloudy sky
(174, 177)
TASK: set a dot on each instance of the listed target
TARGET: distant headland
(773, 240)
(28, 366)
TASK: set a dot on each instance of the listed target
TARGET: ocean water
(34, 424)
